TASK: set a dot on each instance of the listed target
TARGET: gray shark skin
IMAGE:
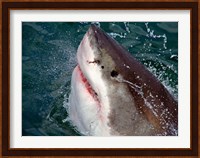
(131, 100)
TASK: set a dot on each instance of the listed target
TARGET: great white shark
(114, 94)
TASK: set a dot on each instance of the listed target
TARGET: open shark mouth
(87, 86)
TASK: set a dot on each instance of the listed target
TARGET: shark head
(110, 91)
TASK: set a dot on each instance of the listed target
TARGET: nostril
(94, 62)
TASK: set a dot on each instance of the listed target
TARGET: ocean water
(49, 57)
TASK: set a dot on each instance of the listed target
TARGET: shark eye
(114, 73)
(102, 67)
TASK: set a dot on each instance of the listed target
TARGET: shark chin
(114, 94)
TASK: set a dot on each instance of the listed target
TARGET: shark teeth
(89, 88)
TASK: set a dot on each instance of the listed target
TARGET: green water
(49, 57)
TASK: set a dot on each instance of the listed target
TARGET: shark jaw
(89, 105)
